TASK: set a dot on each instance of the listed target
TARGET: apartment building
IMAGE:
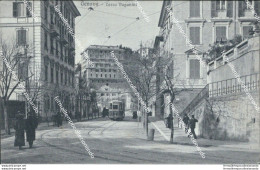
(203, 23)
(44, 36)
(105, 70)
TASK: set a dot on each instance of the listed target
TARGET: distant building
(49, 44)
(106, 76)
(105, 69)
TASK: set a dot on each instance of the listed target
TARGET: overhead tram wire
(109, 37)
(88, 12)
(115, 14)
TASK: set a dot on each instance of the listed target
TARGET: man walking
(186, 122)
(31, 125)
(193, 125)
(19, 130)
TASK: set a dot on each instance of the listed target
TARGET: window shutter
(197, 69)
(223, 33)
(14, 9)
(197, 8)
(257, 7)
(241, 7)
(28, 8)
(197, 35)
(213, 9)
(194, 8)
(192, 35)
(229, 8)
(191, 8)
(21, 40)
(194, 69)
(23, 37)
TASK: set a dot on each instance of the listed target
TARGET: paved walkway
(180, 137)
(45, 125)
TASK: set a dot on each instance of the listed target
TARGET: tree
(14, 72)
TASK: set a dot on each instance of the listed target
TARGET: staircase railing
(201, 95)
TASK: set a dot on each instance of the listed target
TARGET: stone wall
(230, 117)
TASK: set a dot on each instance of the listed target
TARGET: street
(115, 142)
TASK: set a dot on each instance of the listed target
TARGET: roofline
(75, 10)
(163, 10)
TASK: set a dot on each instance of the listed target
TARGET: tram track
(100, 153)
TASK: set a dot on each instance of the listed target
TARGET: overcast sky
(112, 19)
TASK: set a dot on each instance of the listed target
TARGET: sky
(114, 19)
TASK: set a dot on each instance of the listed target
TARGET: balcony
(54, 30)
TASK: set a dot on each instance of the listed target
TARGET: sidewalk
(44, 126)
(181, 138)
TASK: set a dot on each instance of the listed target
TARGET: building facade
(40, 30)
(203, 23)
(106, 76)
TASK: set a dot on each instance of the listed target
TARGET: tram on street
(116, 110)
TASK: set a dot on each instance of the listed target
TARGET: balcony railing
(234, 85)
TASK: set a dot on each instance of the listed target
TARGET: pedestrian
(169, 121)
(186, 122)
(192, 124)
(19, 130)
(107, 112)
(104, 112)
(59, 119)
(30, 125)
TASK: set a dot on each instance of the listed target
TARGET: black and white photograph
(164, 82)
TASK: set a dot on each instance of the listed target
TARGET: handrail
(201, 95)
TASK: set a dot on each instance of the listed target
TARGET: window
(114, 76)
(195, 35)
(45, 40)
(194, 8)
(46, 12)
(220, 4)
(96, 75)
(52, 47)
(105, 75)
(57, 47)
(52, 74)
(57, 77)
(20, 9)
(22, 71)
(246, 31)
(65, 78)
(21, 37)
(61, 78)
(221, 35)
(115, 107)
(46, 73)
(194, 69)
(101, 75)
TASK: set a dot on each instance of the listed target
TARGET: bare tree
(14, 60)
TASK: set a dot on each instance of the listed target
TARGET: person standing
(104, 112)
(59, 119)
(193, 125)
(19, 131)
(186, 122)
(31, 124)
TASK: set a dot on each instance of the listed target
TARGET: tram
(116, 110)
